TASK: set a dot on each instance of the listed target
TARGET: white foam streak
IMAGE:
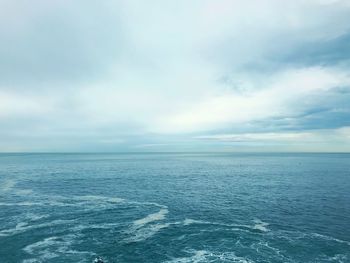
(189, 221)
(98, 198)
(151, 218)
(23, 204)
(143, 228)
(53, 247)
(260, 225)
(329, 238)
(23, 227)
(203, 256)
(7, 185)
(141, 234)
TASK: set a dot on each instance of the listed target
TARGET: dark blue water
(175, 207)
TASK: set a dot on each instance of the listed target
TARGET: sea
(174, 207)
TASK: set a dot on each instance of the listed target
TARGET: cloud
(325, 140)
(286, 93)
(80, 74)
(60, 42)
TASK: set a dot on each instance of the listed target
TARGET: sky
(174, 75)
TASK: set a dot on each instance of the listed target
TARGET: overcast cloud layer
(235, 75)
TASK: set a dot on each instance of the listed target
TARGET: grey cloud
(61, 45)
(335, 51)
(123, 75)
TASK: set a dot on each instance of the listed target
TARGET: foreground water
(175, 207)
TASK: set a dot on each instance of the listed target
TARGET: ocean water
(176, 207)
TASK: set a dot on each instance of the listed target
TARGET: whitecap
(264, 245)
(47, 242)
(260, 225)
(143, 228)
(141, 234)
(202, 256)
(189, 221)
(341, 258)
(329, 238)
(160, 215)
(24, 226)
(35, 217)
(94, 198)
(95, 226)
(22, 204)
(198, 256)
(24, 191)
(53, 247)
(7, 185)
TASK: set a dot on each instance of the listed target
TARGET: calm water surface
(175, 207)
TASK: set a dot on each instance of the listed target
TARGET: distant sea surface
(175, 207)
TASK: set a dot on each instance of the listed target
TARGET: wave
(260, 225)
(62, 201)
(160, 215)
(293, 236)
(81, 227)
(189, 221)
(141, 228)
(329, 238)
(145, 228)
(263, 247)
(47, 242)
(341, 258)
(99, 198)
(7, 185)
(22, 204)
(54, 247)
(141, 234)
(203, 256)
(35, 217)
(198, 256)
(24, 226)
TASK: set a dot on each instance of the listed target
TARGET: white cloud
(157, 67)
(282, 94)
(13, 104)
(324, 140)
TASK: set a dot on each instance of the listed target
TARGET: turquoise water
(175, 207)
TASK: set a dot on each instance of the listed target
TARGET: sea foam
(141, 234)
(54, 247)
(160, 215)
(7, 185)
(203, 256)
(24, 226)
(260, 225)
